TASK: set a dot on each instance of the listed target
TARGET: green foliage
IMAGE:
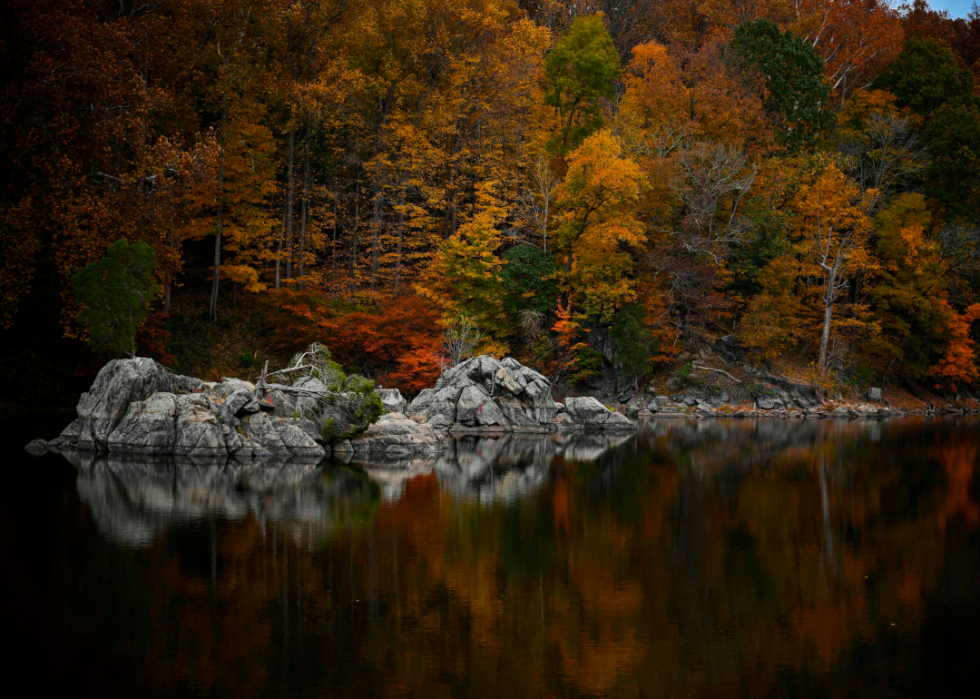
(585, 363)
(634, 344)
(925, 76)
(248, 358)
(529, 277)
(370, 407)
(684, 373)
(952, 138)
(581, 71)
(464, 278)
(115, 293)
(767, 242)
(793, 73)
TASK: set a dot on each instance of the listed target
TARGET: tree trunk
(376, 221)
(290, 170)
(282, 236)
(354, 243)
(305, 201)
(398, 248)
(213, 307)
(828, 301)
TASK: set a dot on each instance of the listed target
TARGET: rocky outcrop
(483, 395)
(136, 406)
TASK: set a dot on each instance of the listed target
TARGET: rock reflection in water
(134, 499)
(502, 468)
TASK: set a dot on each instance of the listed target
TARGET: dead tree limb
(720, 371)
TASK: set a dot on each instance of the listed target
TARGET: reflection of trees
(135, 499)
(671, 566)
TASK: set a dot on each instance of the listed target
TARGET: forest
(591, 186)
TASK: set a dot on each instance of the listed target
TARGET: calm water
(714, 558)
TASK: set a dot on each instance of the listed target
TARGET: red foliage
(396, 341)
(151, 339)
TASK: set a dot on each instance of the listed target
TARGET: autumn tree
(599, 228)
(909, 293)
(833, 232)
(958, 365)
(581, 70)
(882, 143)
(464, 277)
(856, 40)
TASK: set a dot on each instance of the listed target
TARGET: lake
(713, 558)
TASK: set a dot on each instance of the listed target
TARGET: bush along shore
(311, 408)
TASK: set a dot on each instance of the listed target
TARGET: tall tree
(599, 229)
(798, 92)
(833, 231)
(581, 70)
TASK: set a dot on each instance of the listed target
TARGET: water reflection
(696, 558)
(136, 498)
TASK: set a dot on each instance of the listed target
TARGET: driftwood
(262, 385)
(290, 369)
(720, 371)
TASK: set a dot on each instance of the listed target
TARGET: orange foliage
(958, 365)
(394, 341)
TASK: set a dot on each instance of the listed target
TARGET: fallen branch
(291, 369)
(720, 371)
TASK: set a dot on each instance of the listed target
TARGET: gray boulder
(198, 432)
(874, 395)
(484, 393)
(103, 406)
(396, 434)
(229, 386)
(586, 410)
(36, 447)
(617, 422)
(476, 409)
(241, 401)
(149, 426)
(136, 406)
(392, 400)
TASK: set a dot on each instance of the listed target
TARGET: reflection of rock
(590, 447)
(509, 466)
(392, 474)
(711, 446)
(135, 499)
